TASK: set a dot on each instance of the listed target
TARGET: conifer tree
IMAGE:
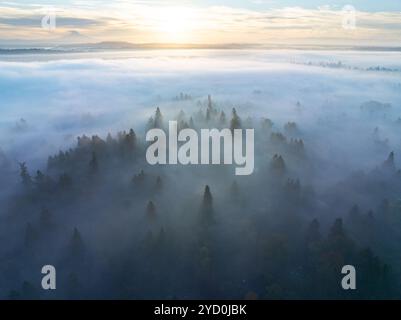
(181, 116)
(234, 191)
(151, 211)
(191, 123)
(25, 176)
(389, 163)
(337, 229)
(109, 139)
(354, 213)
(158, 119)
(235, 121)
(65, 181)
(207, 214)
(76, 245)
(278, 165)
(266, 124)
(129, 144)
(209, 102)
(208, 115)
(159, 183)
(93, 164)
(39, 178)
(223, 119)
(150, 124)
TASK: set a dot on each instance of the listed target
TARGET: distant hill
(122, 45)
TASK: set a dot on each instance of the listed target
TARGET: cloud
(146, 22)
(35, 22)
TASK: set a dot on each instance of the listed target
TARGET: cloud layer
(154, 22)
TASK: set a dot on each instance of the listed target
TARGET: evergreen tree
(235, 121)
(208, 115)
(291, 128)
(76, 246)
(159, 183)
(354, 214)
(278, 165)
(65, 181)
(25, 176)
(150, 124)
(207, 214)
(109, 139)
(39, 178)
(223, 119)
(209, 102)
(266, 124)
(181, 116)
(337, 230)
(129, 144)
(191, 123)
(158, 119)
(389, 163)
(234, 191)
(93, 164)
(139, 178)
(151, 211)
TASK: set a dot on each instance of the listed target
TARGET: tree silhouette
(151, 211)
(389, 163)
(159, 183)
(93, 164)
(24, 174)
(278, 165)
(235, 120)
(223, 118)
(76, 245)
(207, 214)
(65, 181)
(158, 123)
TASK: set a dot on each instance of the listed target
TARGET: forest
(116, 227)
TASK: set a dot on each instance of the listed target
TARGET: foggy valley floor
(77, 192)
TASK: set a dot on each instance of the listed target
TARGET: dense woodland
(116, 227)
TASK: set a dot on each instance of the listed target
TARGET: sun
(175, 24)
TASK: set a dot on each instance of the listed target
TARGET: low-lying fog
(328, 146)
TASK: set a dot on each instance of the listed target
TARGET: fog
(325, 191)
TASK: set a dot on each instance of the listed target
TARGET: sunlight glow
(175, 24)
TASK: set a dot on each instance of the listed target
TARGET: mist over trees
(116, 227)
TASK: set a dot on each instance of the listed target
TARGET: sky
(207, 22)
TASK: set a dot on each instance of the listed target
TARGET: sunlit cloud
(153, 22)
